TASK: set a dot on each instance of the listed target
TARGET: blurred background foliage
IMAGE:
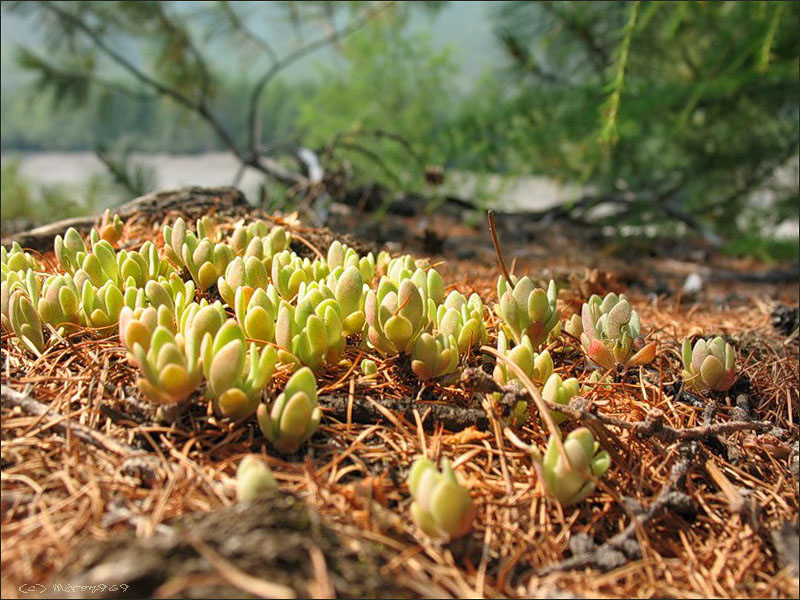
(671, 118)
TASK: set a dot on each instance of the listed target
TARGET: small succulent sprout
(709, 365)
(395, 316)
(434, 356)
(560, 392)
(196, 322)
(242, 272)
(175, 237)
(59, 303)
(28, 282)
(574, 326)
(597, 381)
(349, 292)
(236, 377)
(110, 228)
(101, 306)
(70, 250)
(341, 255)
(207, 262)
(369, 367)
(174, 293)
(295, 414)
(16, 260)
(539, 367)
(311, 333)
(571, 483)
(611, 333)
(170, 373)
(461, 318)
(24, 321)
(525, 309)
(136, 326)
(98, 266)
(442, 508)
(207, 229)
(137, 268)
(265, 245)
(253, 479)
(288, 274)
(242, 234)
(256, 314)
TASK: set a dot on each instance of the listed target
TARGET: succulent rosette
(295, 414)
(709, 365)
(441, 507)
(571, 482)
(527, 310)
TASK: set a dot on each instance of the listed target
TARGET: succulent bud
(539, 367)
(27, 281)
(139, 267)
(59, 304)
(256, 314)
(70, 250)
(136, 326)
(341, 255)
(24, 321)
(110, 228)
(235, 377)
(396, 316)
(253, 479)
(560, 392)
(313, 332)
(433, 357)
(207, 261)
(368, 367)
(709, 365)
(248, 272)
(570, 483)
(294, 416)
(101, 307)
(16, 260)
(527, 310)
(574, 326)
(442, 508)
(462, 319)
(611, 331)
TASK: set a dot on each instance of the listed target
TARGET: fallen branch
(454, 418)
(32, 407)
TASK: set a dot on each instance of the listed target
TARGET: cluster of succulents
(441, 507)
(281, 312)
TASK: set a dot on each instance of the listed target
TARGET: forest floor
(94, 492)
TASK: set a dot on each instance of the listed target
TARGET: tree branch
(278, 66)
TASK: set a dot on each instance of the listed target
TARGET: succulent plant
(242, 272)
(171, 373)
(294, 416)
(236, 377)
(527, 310)
(289, 271)
(434, 356)
(253, 479)
(426, 278)
(539, 367)
(136, 325)
(461, 318)
(256, 313)
(174, 293)
(255, 239)
(101, 306)
(59, 303)
(27, 281)
(16, 260)
(24, 321)
(207, 261)
(611, 332)
(369, 367)
(560, 392)
(312, 333)
(110, 228)
(139, 267)
(709, 365)
(395, 316)
(342, 256)
(70, 250)
(597, 380)
(99, 265)
(569, 483)
(442, 508)
(574, 326)
(349, 292)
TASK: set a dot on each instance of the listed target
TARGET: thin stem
(498, 252)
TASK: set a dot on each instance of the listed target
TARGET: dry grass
(58, 490)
